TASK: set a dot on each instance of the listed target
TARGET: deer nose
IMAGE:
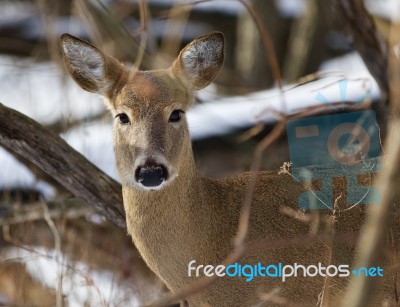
(151, 175)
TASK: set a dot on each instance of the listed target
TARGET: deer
(178, 218)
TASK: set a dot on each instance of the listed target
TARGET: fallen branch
(49, 152)
(69, 208)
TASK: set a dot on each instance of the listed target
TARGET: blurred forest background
(54, 248)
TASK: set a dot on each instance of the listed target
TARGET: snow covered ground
(80, 285)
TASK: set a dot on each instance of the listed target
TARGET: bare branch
(72, 208)
(366, 39)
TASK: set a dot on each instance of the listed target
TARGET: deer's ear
(200, 61)
(90, 68)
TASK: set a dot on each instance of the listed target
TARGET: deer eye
(123, 118)
(175, 116)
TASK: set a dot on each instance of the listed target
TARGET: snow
(16, 175)
(223, 6)
(80, 284)
(94, 141)
(17, 9)
(227, 114)
(388, 9)
(43, 93)
(24, 17)
(291, 8)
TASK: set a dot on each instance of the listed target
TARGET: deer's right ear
(90, 68)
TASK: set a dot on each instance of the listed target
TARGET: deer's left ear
(200, 61)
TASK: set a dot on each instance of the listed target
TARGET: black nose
(151, 176)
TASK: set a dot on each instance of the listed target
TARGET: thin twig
(57, 247)
(143, 36)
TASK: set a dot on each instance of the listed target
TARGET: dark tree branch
(366, 40)
(59, 126)
(49, 152)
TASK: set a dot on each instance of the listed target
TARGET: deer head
(150, 130)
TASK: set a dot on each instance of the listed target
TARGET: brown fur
(195, 218)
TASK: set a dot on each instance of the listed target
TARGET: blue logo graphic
(369, 272)
(342, 145)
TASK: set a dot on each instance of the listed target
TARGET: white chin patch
(155, 188)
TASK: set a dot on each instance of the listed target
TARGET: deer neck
(170, 219)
